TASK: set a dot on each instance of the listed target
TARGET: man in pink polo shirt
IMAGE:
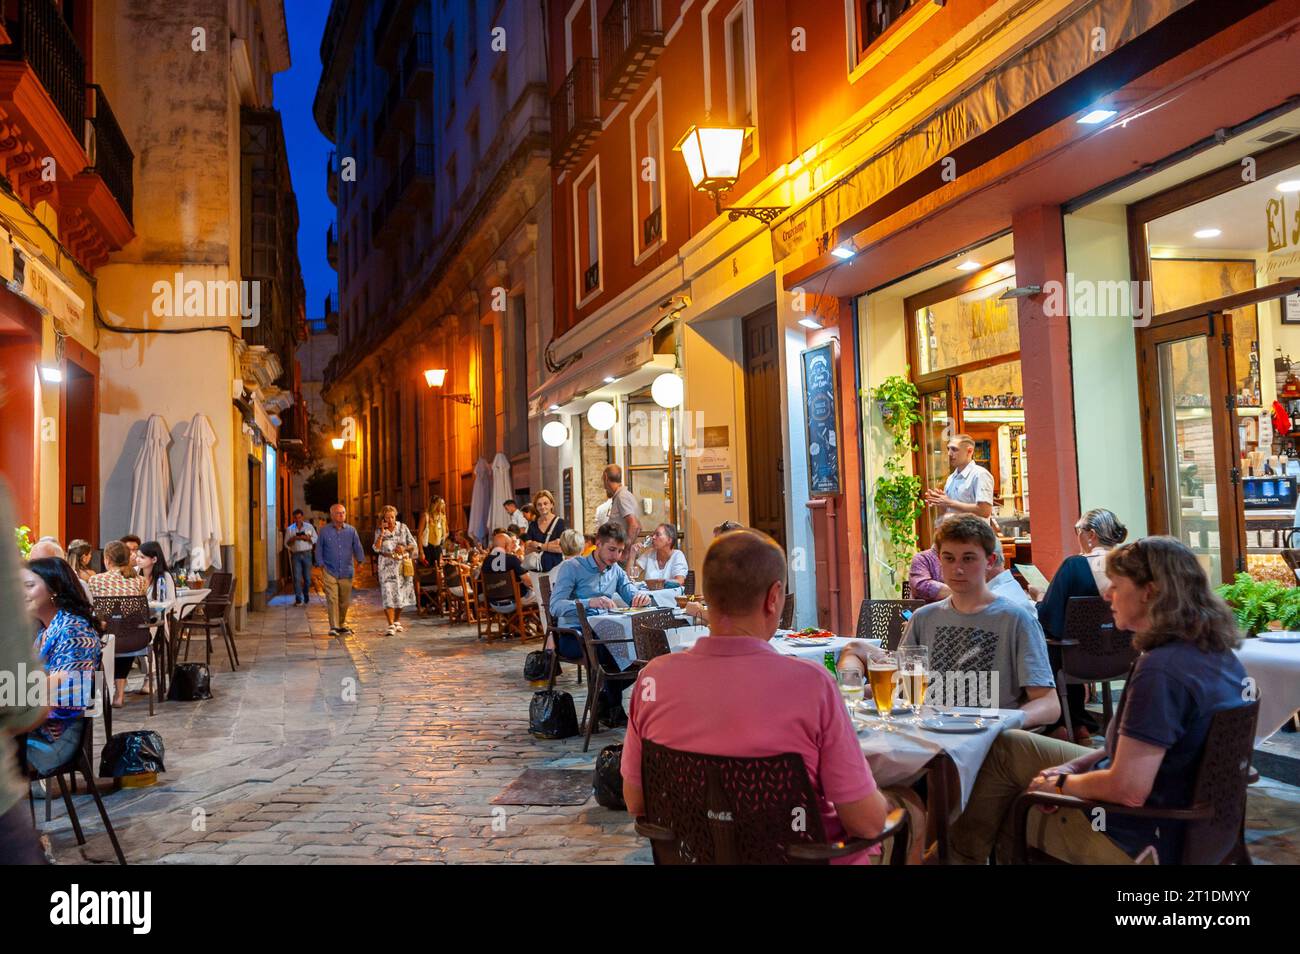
(733, 694)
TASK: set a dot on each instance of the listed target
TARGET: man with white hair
(46, 547)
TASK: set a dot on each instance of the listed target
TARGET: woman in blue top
(1186, 673)
(69, 645)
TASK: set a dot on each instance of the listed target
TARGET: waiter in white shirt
(969, 489)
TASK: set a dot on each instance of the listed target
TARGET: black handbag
(607, 778)
(131, 753)
(551, 715)
(537, 665)
(190, 683)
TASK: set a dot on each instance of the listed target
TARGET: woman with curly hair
(1185, 673)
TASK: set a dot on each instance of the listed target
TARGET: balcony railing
(332, 176)
(417, 66)
(110, 156)
(652, 228)
(332, 245)
(575, 113)
(331, 306)
(631, 39)
(42, 39)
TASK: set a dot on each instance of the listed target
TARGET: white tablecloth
(1275, 667)
(619, 626)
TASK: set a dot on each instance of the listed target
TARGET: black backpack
(607, 778)
(551, 715)
(190, 682)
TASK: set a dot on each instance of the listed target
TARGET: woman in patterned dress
(393, 543)
(69, 645)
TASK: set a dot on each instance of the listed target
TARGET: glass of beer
(882, 672)
(913, 670)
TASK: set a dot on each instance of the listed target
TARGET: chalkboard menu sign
(821, 409)
(566, 497)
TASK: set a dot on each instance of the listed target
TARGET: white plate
(821, 641)
(1280, 636)
(960, 726)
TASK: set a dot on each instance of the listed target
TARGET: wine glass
(851, 688)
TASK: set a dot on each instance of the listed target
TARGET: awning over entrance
(1027, 92)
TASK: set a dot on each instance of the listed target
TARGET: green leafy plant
(897, 494)
(1256, 603)
(23, 536)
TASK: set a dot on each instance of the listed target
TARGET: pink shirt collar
(731, 646)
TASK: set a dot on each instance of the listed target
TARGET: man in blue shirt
(595, 580)
(337, 546)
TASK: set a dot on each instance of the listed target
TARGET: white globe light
(667, 390)
(554, 434)
(601, 416)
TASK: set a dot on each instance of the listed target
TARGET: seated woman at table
(925, 578)
(152, 565)
(1084, 574)
(69, 646)
(118, 578)
(663, 561)
(80, 553)
(1186, 673)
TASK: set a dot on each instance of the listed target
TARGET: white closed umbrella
(503, 489)
(481, 501)
(195, 516)
(151, 488)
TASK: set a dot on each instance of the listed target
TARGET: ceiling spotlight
(51, 375)
(968, 266)
(1097, 116)
(812, 323)
(1208, 233)
(843, 252)
(610, 380)
(1291, 185)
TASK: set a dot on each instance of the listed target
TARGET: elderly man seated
(733, 694)
(595, 580)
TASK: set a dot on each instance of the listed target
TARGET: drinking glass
(882, 672)
(851, 688)
(913, 672)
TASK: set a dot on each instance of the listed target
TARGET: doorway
(80, 450)
(763, 417)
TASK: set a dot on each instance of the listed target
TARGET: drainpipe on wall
(826, 542)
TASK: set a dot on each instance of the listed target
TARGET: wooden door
(763, 419)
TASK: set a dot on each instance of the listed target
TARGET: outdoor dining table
(1275, 667)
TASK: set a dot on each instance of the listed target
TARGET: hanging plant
(897, 497)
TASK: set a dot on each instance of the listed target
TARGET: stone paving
(378, 750)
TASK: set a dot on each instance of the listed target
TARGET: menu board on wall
(821, 409)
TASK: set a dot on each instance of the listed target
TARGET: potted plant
(23, 537)
(1257, 603)
(897, 493)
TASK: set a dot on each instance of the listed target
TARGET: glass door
(1192, 441)
(940, 421)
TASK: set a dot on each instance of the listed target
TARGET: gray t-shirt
(969, 649)
(621, 505)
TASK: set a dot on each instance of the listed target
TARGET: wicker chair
(720, 810)
(688, 586)
(506, 612)
(597, 674)
(1092, 650)
(122, 614)
(1215, 819)
(885, 620)
(648, 634)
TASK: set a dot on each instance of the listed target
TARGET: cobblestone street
(284, 771)
(280, 768)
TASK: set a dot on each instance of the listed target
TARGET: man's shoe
(345, 631)
(334, 631)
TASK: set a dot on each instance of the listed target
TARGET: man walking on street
(300, 538)
(337, 547)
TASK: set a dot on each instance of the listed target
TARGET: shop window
(873, 18)
(970, 327)
(739, 37)
(647, 175)
(587, 234)
(653, 471)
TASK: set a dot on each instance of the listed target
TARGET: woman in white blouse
(663, 561)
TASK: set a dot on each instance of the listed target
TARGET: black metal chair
(428, 588)
(80, 761)
(211, 616)
(721, 810)
(553, 634)
(1215, 818)
(787, 612)
(688, 586)
(597, 673)
(885, 620)
(126, 616)
(1092, 650)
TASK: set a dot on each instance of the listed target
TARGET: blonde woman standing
(432, 530)
(543, 534)
(394, 544)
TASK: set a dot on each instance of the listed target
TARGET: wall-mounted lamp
(601, 416)
(554, 434)
(338, 444)
(51, 374)
(668, 390)
(436, 377)
(712, 157)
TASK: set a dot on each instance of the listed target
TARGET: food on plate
(811, 632)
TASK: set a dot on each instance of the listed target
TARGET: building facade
(439, 116)
(200, 314)
(940, 193)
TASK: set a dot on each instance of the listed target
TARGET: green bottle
(828, 660)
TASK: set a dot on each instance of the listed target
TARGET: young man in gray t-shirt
(975, 636)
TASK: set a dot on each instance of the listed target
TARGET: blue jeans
(45, 756)
(301, 574)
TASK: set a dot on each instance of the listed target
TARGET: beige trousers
(338, 597)
(1013, 761)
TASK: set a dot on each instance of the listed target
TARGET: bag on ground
(190, 683)
(131, 753)
(551, 715)
(537, 665)
(607, 778)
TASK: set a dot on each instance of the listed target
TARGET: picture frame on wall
(1291, 309)
(821, 419)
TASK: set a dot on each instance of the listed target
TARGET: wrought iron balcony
(631, 39)
(331, 306)
(332, 176)
(110, 156)
(332, 245)
(575, 113)
(417, 66)
(42, 39)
